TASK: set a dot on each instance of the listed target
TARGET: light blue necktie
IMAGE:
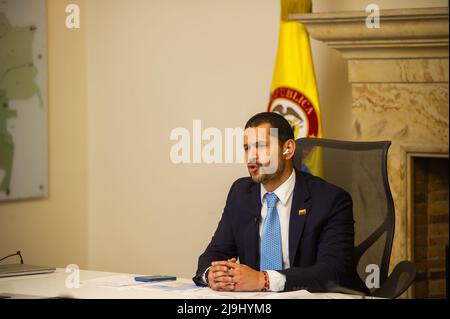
(271, 250)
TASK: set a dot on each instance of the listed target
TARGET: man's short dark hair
(275, 120)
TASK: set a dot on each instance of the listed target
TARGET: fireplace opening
(430, 217)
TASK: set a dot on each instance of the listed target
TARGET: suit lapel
(252, 228)
(299, 212)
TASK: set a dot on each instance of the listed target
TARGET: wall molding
(403, 33)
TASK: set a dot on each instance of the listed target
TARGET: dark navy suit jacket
(320, 241)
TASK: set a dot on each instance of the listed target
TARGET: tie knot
(271, 199)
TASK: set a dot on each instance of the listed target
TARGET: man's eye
(245, 147)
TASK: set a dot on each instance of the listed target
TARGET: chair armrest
(398, 281)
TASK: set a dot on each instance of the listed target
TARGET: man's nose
(252, 155)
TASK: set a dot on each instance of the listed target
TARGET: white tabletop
(92, 286)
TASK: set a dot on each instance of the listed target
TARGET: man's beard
(264, 178)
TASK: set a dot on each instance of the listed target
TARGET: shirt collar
(283, 191)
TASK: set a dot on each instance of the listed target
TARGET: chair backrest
(361, 169)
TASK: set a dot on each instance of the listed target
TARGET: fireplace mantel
(399, 80)
(403, 33)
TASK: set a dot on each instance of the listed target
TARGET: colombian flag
(294, 90)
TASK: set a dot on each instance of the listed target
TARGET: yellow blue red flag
(294, 89)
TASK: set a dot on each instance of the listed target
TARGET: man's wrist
(264, 283)
(206, 276)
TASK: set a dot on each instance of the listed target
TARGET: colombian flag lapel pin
(302, 212)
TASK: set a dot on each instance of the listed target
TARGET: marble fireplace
(399, 79)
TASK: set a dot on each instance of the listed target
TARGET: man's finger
(238, 286)
(218, 268)
(225, 286)
(219, 263)
(221, 277)
(236, 279)
(232, 265)
(222, 286)
(234, 272)
(217, 287)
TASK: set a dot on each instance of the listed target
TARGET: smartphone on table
(155, 278)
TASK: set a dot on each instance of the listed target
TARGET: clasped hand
(227, 275)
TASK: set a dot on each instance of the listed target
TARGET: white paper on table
(176, 286)
(118, 281)
(208, 293)
(334, 295)
(304, 294)
(297, 294)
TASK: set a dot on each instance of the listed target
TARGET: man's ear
(289, 149)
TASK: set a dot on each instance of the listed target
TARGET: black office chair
(361, 169)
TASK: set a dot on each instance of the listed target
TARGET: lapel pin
(302, 212)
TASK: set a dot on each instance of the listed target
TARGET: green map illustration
(17, 82)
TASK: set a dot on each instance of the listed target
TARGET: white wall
(153, 66)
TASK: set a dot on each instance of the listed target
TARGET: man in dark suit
(289, 230)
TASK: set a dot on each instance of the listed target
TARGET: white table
(54, 285)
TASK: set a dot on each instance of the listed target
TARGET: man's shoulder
(243, 183)
(241, 190)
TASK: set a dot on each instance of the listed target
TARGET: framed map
(23, 99)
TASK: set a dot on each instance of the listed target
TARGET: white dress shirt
(284, 193)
